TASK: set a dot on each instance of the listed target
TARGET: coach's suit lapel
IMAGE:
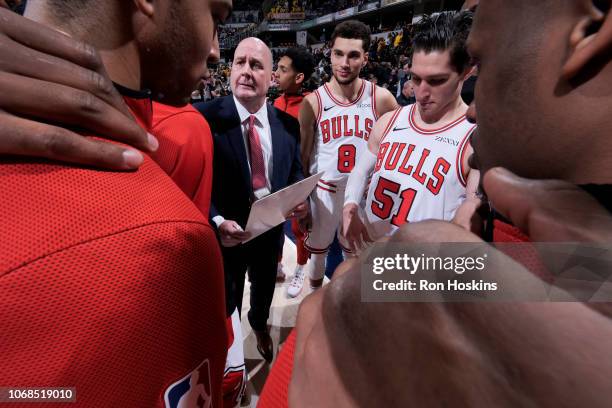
(236, 140)
(278, 144)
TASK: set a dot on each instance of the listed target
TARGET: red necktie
(258, 169)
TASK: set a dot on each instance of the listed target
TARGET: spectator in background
(398, 40)
(407, 95)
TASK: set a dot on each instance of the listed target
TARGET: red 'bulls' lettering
(382, 150)
(440, 170)
(418, 175)
(392, 154)
(345, 126)
(325, 130)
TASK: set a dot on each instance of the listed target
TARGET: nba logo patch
(191, 391)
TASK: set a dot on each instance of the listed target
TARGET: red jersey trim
(326, 189)
(345, 249)
(312, 249)
(351, 103)
(391, 123)
(431, 131)
(460, 154)
(374, 102)
(327, 183)
(320, 110)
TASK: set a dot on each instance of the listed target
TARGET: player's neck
(293, 90)
(453, 111)
(348, 92)
(118, 51)
(121, 69)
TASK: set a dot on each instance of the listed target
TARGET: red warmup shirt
(111, 283)
(276, 390)
(289, 104)
(186, 150)
(186, 154)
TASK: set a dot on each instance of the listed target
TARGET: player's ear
(146, 7)
(299, 78)
(590, 39)
(469, 71)
(365, 59)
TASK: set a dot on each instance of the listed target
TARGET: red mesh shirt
(275, 393)
(525, 254)
(110, 282)
(185, 150)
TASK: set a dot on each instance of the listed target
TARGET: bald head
(251, 73)
(254, 43)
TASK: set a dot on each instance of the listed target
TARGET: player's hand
(467, 216)
(48, 77)
(300, 211)
(305, 223)
(232, 234)
(353, 229)
(433, 335)
(548, 210)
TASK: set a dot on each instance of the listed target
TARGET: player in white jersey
(335, 125)
(417, 155)
(419, 174)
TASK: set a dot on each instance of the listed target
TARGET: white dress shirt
(262, 124)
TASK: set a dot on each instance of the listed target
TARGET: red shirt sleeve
(185, 151)
(276, 390)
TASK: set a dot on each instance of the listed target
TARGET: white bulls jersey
(418, 173)
(342, 133)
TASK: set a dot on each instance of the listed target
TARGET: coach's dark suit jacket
(232, 196)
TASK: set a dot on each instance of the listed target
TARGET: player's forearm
(356, 184)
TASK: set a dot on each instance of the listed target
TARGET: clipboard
(272, 209)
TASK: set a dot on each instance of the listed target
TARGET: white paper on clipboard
(271, 210)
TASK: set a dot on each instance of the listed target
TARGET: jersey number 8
(346, 158)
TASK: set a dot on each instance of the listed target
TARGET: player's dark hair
(301, 61)
(353, 30)
(445, 31)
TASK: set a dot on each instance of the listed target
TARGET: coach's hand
(353, 229)
(231, 233)
(48, 77)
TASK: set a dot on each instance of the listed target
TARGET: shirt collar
(261, 114)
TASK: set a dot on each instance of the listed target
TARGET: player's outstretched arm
(46, 76)
(308, 121)
(353, 228)
(467, 216)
